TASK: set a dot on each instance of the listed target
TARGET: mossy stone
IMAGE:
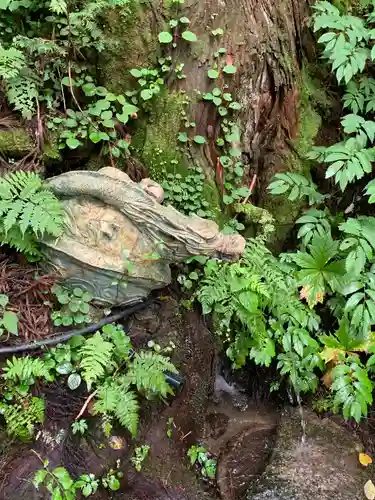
(16, 142)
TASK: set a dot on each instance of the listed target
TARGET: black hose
(63, 337)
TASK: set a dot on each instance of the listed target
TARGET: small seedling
(79, 426)
(140, 454)
(201, 457)
(75, 306)
(170, 426)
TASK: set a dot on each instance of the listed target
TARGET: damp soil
(236, 429)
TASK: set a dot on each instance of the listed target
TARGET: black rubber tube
(64, 336)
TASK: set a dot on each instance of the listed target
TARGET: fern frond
(115, 334)
(11, 62)
(95, 358)
(27, 211)
(146, 372)
(116, 398)
(25, 370)
(127, 412)
(22, 417)
(107, 398)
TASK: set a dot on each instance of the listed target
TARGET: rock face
(119, 240)
(323, 467)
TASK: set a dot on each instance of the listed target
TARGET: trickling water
(303, 421)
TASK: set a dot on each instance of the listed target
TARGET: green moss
(312, 99)
(354, 7)
(156, 142)
(51, 151)
(132, 44)
(16, 142)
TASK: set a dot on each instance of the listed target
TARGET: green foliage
(74, 306)
(346, 42)
(28, 211)
(9, 320)
(359, 243)
(149, 80)
(320, 269)
(297, 187)
(255, 304)
(146, 372)
(60, 485)
(140, 455)
(35, 57)
(22, 415)
(79, 426)
(23, 372)
(186, 193)
(96, 358)
(97, 122)
(348, 160)
(106, 362)
(200, 456)
(313, 223)
(352, 388)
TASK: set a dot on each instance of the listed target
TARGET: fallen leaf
(327, 379)
(364, 459)
(117, 442)
(369, 489)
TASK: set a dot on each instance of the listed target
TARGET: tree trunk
(267, 41)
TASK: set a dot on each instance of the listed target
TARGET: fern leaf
(127, 412)
(107, 398)
(95, 358)
(25, 217)
(11, 217)
(21, 418)
(147, 372)
(25, 370)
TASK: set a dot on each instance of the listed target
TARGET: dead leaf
(117, 442)
(364, 459)
(327, 379)
(369, 489)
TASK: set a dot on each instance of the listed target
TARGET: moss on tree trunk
(266, 41)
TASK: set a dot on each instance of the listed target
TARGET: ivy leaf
(213, 74)
(4, 300)
(64, 368)
(182, 137)
(235, 105)
(199, 139)
(136, 73)
(165, 37)
(97, 136)
(73, 143)
(230, 69)
(189, 36)
(146, 94)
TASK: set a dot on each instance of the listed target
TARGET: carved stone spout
(119, 240)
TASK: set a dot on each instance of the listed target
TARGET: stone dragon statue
(119, 240)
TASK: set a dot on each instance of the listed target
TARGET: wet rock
(242, 439)
(322, 466)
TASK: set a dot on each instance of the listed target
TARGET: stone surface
(324, 467)
(119, 240)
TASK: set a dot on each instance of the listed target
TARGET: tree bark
(267, 41)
